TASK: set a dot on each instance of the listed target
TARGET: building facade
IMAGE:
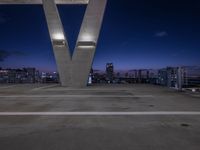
(109, 72)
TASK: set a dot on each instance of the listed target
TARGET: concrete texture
(142, 132)
(61, 51)
(83, 55)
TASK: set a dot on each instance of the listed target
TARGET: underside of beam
(40, 1)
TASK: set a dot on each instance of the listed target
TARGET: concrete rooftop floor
(98, 132)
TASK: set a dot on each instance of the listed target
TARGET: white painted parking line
(87, 89)
(6, 87)
(44, 87)
(76, 96)
(157, 113)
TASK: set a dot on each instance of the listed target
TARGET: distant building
(49, 77)
(25, 75)
(162, 77)
(110, 72)
(99, 77)
(140, 76)
(192, 76)
(4, 76)
(30, 74)
(172, 77)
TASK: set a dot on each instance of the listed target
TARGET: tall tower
(110, 72)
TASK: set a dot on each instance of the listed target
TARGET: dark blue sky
(135, 34)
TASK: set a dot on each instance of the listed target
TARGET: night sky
(135, 34)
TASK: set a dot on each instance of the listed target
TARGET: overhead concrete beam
(40, 1)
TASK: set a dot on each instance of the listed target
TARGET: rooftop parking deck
(100, 117)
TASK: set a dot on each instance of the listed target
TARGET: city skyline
(134, 35)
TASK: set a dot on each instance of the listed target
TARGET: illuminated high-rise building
(110, 72)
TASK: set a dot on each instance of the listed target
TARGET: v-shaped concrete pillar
(74, 71)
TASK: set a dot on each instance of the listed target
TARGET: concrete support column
(59, 42)
(87, 41)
